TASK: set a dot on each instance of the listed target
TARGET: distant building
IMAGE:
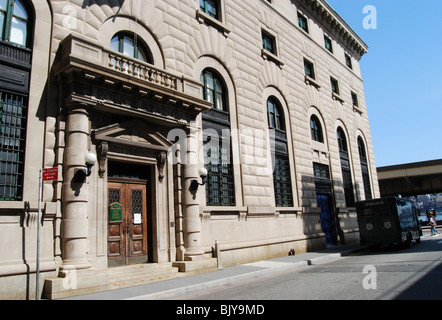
(267, 96)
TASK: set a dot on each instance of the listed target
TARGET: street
(388, 274)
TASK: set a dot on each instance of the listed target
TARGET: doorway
(128, 218)
(327, 221)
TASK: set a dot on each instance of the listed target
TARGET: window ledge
(337, 97)
(306, 32)
(311, 81)
(357, 109)
(203, 17)
(288, 210)
(267, 55)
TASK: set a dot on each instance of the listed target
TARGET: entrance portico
(125, 117)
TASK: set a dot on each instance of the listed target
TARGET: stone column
(75, 194)
(191, 205)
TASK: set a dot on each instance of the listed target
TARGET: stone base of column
(68, 267)
(203, 265)
(192, 255)
(73, 283)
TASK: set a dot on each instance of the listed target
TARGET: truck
(386, 221)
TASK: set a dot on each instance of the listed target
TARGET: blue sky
(402, 74)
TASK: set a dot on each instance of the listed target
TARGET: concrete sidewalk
(186, 285)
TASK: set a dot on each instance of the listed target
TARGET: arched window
(14, 22)
(130, 45)
(342, 141)
(282, 181)
(316, 129)
(361, 148)
(220, 189)
(213, 90)
(345, 167)
(275, 114)
(364, 169)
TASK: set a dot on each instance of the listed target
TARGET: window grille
(364, 169)
(220, 189)
(281, 170)
(345, 167)
(282, 182)
(13, 113)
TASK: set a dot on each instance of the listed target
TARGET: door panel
(116, 232)
(137, 220)
(127, 237)
(327, 218)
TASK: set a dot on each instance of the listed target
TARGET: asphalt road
(388, 274)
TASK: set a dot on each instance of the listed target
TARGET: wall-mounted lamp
(203, 174)
(80, 175)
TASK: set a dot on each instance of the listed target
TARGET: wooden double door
(128, 224)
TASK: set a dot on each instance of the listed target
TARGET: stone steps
(128, 276)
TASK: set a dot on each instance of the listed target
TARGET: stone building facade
(267, 96)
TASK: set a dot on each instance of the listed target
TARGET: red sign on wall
(50, 174)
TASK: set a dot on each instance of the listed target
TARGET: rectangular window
(302, 22)
(210, 7)
(268, 42)
(309, 69)
(269, 49)
(322, 178)
(13, 113)
(354, 98)
(348, 61)
(321, 171)
(334, 85)
(328, 44)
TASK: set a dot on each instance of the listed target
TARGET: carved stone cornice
(335, 24)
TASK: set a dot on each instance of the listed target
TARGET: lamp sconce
(195, 184)
(80, 175)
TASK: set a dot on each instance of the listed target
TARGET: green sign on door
(115, 212)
